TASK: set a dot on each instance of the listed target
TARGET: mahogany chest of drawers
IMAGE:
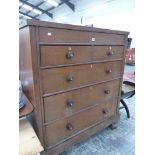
(73, 76)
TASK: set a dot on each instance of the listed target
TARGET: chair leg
(126, 108)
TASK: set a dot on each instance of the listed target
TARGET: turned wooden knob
(70, 103)
(70, 78)
(104, 111)
(70, 54)
(69, 126)
(107, 91)
(108, 71)
(110, 53)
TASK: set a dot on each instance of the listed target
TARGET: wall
(111, 14)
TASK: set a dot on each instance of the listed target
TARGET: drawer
(51, 35)
(54, 35)
(108, 39)
(101, 53)
(62, 55)
(67, 78)
(67, 127)
(67, 104)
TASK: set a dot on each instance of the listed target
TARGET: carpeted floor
(120, 141)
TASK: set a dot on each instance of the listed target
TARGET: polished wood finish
(72, 75)
(25, 66)
(61, 79)
(58, 106)
(30, 22)
(61, 35)
(59, 55)
(109, 39)
(58, 131)
(29, 73)
(51, 35)
(27, 109)
(58, 148)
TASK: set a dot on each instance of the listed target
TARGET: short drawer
(63, 55)
(67, 127)
(67, 78)
(67, 104)
(108, 39)
(53, 35)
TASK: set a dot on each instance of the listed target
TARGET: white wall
(111, 14)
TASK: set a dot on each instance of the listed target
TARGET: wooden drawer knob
(110, 53)
(108, 71)
(107, 91)
(70, 55)
(70, 103)
(69, 127)
(105, 111)
(70, 78)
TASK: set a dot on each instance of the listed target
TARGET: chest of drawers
(73, 76)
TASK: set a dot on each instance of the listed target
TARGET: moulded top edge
(32, 22)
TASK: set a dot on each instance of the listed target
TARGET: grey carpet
(120, 141)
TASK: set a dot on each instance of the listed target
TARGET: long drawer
(67, 104)
(60, 55)
(54, 35)
(66, 78)
(65, 128)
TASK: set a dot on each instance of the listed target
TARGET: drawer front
(66, 127)
(54, 35)
(66, 78)
(66, 104)
(101, 53)
(108, 39)
(60, 55)
(51, 35)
